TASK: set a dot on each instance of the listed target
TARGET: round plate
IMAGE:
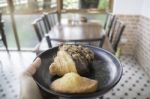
(107, 70)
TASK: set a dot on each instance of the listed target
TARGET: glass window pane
(29, 6)
(9, 31)
(70, 4)
(26, 33)
(86, 4)
(103, 4)
(25, 12)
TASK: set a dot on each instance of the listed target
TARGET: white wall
(132, 7)
(128, 7)
(145, 11)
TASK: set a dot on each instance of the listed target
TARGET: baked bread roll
(74, 83)
(72, 58)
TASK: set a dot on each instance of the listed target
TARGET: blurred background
(25, 11)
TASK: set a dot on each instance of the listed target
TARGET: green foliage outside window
(103, 4)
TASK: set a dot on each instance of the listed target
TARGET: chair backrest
(109, 22)
(51, 18)
(41, 29)
(112, 30)
(46, 24)
(116, 33)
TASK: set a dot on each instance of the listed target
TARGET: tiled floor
(135, 84)
(10, 68)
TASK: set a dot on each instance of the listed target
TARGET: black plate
(106, 69)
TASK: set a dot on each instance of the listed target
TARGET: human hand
(30, 71)
(28, 87)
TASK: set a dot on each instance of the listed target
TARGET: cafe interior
(116, 31)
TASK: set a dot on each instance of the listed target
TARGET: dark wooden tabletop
(77, 32)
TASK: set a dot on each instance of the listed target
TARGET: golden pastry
(74, 83)
(71, 58)
(62, 64)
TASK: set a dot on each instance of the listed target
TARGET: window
(70, 4)
(101, 5)
(26, 11)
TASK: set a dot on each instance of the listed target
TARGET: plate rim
(94, 94)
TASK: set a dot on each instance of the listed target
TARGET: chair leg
(4, 39)
(5, 44)
(102, 42)
(6, 47)
(48, 41)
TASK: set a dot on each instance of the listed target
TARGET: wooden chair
(41, 32)
(112, 30)
(46, 24)
(115, 34)
(109, 22)
(2, 33)
(51, 19)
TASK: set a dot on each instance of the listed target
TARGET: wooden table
(90, 31)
